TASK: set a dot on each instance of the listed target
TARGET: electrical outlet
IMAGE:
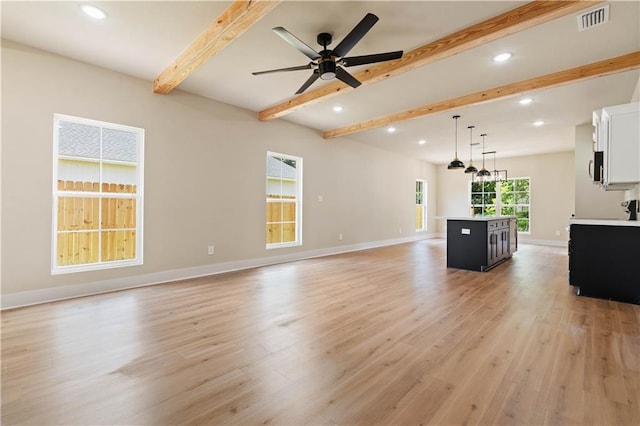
(400, 230)
(340, 236)
(211, 250)
(557, 233)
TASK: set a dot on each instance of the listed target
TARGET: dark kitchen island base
(480, 243)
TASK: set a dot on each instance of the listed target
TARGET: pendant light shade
(456, 163)
(471, 168)
(483, 174)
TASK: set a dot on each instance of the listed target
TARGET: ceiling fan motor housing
(327, 68)
(324, 39)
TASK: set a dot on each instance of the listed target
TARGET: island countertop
(480, 218)
(604, 222)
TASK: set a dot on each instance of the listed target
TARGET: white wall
(552, 194)
(204, 176)
(591, 201)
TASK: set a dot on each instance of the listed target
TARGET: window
(284, 200)
(421, 208)
(97, 195)
(510, 197)
(483, 198)
(514, 201)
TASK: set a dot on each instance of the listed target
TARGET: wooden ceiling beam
(615, 65)
(227, 27)
(513, 21)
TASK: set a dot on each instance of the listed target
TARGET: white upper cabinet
(617, 136)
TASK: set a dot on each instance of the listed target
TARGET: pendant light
(455, 163)
(483, 174)
(498, 175)
(471, 168)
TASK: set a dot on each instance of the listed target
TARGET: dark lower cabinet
(498, 245)
(480, 244)
(604, 261)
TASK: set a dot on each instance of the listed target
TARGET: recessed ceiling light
(93, 11)
(337, 108)
(538, 123)
(525, 101)
(422, 141)
(502, 57)
(391, 129)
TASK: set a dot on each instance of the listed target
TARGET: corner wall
(204, 179)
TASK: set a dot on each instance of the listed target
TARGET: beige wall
(591, 201)
(204, 174)
(552, 193)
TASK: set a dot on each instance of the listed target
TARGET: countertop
(605, 222)
(480, 218)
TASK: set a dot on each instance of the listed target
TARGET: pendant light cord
(456, 118)
(456, 163)
(483, 135)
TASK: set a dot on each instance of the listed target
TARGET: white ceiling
(143, 38)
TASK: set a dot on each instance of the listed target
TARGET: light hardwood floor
(384, 336)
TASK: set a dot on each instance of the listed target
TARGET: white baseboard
(554, 243)
(34, 297)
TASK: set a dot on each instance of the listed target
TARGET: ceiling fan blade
(296, 42)
(370, 59)
(355, 35)
(309, 82)
(345, 77)
(301, 67)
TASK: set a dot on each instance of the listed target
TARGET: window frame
(498, 204)
(298, 200)
(528, 205)
(100, 195)
(423, 198)
(483, 205)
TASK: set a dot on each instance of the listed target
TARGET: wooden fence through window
(419, 216)
(281, 219)
(96, 227)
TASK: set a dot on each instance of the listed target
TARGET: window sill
(61, 270)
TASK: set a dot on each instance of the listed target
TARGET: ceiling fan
(327, 64)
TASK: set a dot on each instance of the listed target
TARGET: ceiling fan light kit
(456, 163)
(328, 64)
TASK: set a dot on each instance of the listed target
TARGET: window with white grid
(97, 195)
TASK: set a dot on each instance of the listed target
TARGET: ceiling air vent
(593, 17)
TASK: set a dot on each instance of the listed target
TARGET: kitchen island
(479, 243)
(604, 257)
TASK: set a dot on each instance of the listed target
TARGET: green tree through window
(508, 198)
(515, 201)
(483, 198)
